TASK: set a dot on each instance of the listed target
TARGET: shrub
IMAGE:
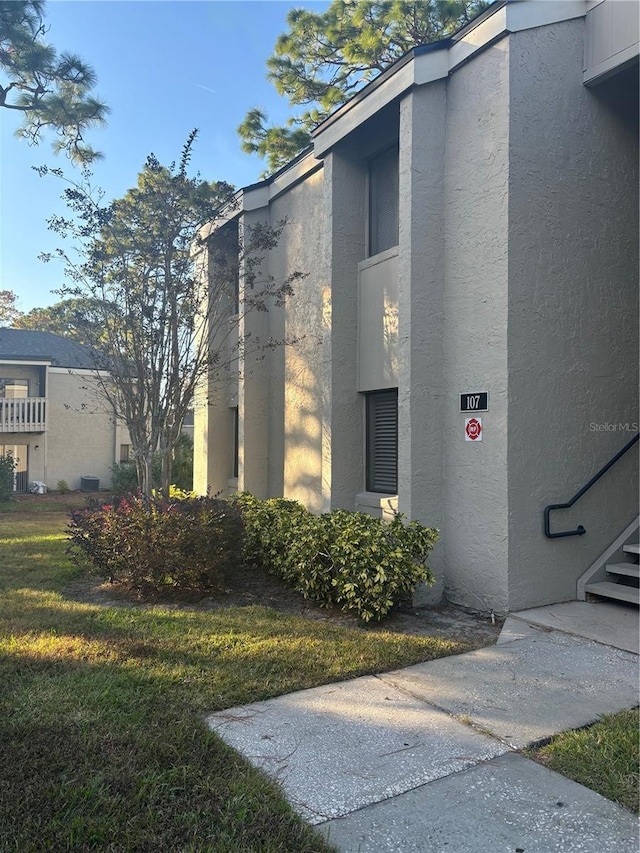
(158, 544)
(345, 559)
(182, 468)
(124, 478)
(375, 563)
(63, 487)
(7, 467)
(176, 493)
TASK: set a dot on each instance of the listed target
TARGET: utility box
(89, 484)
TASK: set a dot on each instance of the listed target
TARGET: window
(236, 444)
(14, 389)
(224, 248)
(382, 441)
(125, 453)
(19, 453)
(383, 201)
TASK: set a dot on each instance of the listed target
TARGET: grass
(103, 744)
(603, 757)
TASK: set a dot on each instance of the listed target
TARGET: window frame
(14, 382)
(374, 246)
(377, 467)
(235, 416)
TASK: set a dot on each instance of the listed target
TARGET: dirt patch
(33, 506)
(251, 587)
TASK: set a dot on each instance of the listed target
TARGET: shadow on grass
(121, 770)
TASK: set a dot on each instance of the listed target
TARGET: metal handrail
(579, 531)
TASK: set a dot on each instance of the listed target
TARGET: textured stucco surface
(474, 495)
(296, 397)
(421, 280)
(344, 247)
(254, 384)
(573, 309)
(217, 392)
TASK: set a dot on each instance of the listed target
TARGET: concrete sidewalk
(423, 759)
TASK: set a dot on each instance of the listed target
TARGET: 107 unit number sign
(478, 402)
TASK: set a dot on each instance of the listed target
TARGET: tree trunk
(167, 460)
(144, 467)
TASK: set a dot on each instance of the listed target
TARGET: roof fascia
(79, 371)
(261, 194)
(36, 361)
(421, 66)
(529, 14)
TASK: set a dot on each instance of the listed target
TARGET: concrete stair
(623, 579)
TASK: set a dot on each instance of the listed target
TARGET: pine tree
(52, 92)
(325, 58)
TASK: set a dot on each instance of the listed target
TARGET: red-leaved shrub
(154, 544)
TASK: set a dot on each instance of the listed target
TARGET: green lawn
(102, 740)
(604, 757)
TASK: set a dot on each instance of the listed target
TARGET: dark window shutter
(236, 440)
(382, 442)
(383, 201)
(224, 251)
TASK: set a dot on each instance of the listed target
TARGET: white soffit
(253, 198)
(613, 38)
(257, 196)
(428, 67)
(376, 99)
(226, 214)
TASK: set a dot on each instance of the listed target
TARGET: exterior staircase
(624, 578)
(616, 574)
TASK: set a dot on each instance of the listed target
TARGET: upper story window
(384, 196)
(14, 388)
(224, 251)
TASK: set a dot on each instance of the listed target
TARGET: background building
(52, 417)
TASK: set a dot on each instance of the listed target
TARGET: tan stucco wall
(421, 281)
(81, 437)
(81, 434)
(215, 397)
(296, 396)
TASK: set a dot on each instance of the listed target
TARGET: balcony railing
(24, 414)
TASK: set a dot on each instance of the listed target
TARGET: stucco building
(469, 226)
(52, 417)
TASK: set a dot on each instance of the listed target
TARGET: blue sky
(163, 68)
